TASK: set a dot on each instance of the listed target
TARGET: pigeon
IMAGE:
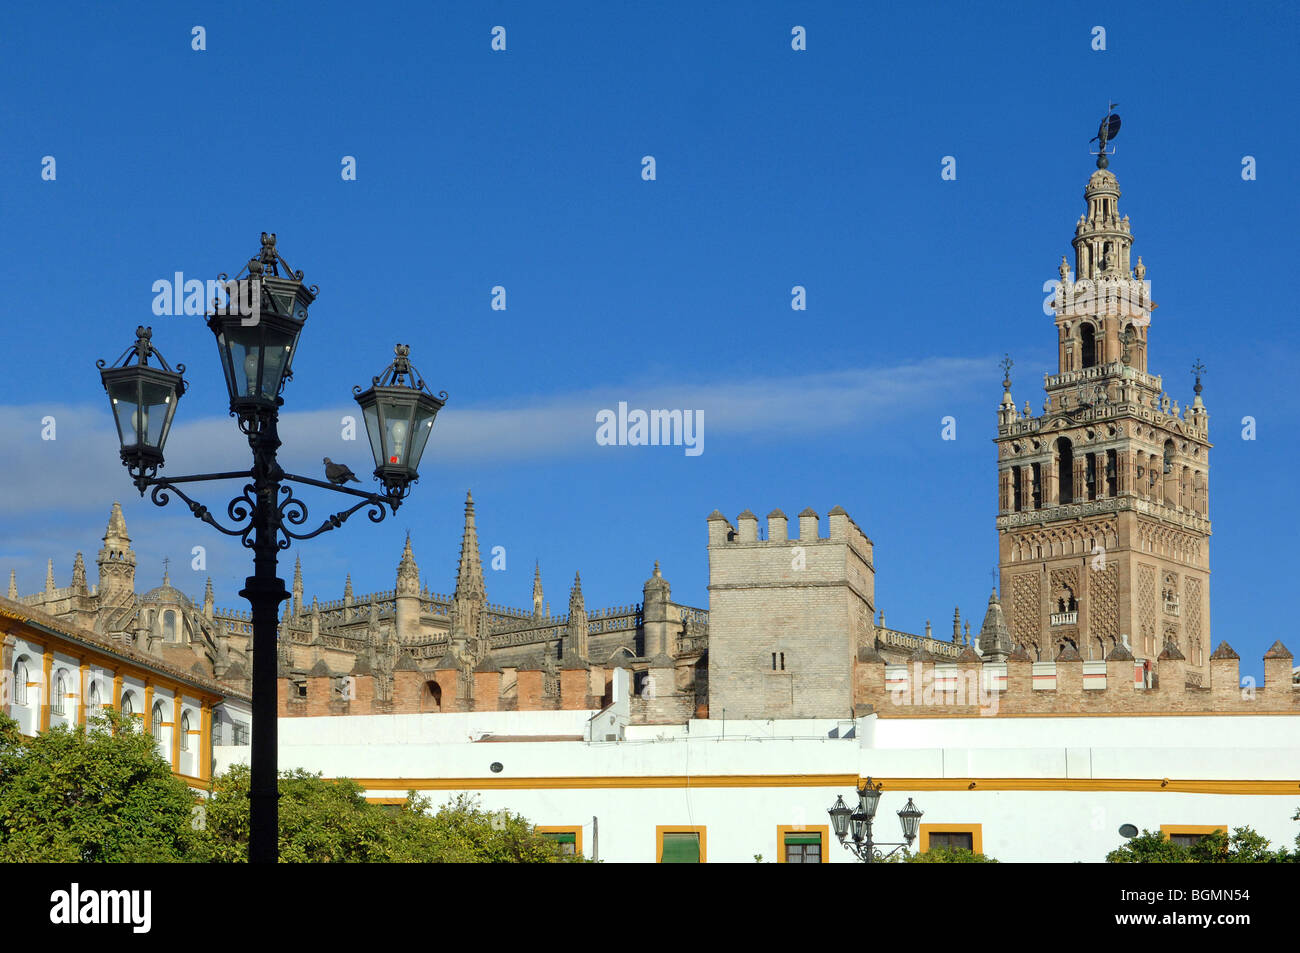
(339, 474)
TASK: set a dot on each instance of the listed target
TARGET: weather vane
(1198, 369)
(1006, 364)
(1108, 131)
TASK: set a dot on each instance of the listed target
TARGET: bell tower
(1103, 514)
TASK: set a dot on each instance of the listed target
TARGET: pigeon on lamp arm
(338, 474)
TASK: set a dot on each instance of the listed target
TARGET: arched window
(60, 692)
(185, 731)
(1065, 467)
(20, 681)
(432, 697)
(92, 699)
(1016, 502)
(128, 703)
(156, 722)
(1087, 344)
(169, 626)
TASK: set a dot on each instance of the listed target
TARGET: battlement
(841, 529)
(1070, 686)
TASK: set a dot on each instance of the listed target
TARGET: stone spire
(408, 573)
(79, 575)
(995, 638)
(13, 585)
(208, 600)
(116, 563)
(659, 621)
(297, 587)
(956, 625)
(49, 577)
(407, 603)
(575, 632)
(347, 591)
(469, 603)
(537, 591)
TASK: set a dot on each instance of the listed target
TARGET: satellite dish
(1128, 830)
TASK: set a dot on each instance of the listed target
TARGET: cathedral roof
(167, 594)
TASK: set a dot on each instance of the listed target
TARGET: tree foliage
(1243, 846)
(105, 794)
(91, 796)
(949, 855)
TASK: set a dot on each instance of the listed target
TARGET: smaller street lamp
(144, 401)
(399, 411)
(856, 824)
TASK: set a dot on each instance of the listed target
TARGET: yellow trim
(1167, 829)
(176, 733)
(576, 831)
(1166, 785)
(783, 829)
(205, 741)
(386, 800)
(976, 832)
(116, 700)
(47, 666)
(662, 829)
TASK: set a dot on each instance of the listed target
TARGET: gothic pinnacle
(13, 585)
(49, 576)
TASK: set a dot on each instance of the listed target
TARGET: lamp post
(257, 340)
(857, 824)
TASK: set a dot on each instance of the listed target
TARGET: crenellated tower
(1103, 516)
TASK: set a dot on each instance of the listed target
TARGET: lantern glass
(910, 818)
(839, 813)
(868, 799)
(371, 411)
(397, 431)
(858, 823)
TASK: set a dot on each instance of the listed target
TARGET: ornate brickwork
(1104, 610)
(1193, 612)
(1025, 609)
(1146, 605)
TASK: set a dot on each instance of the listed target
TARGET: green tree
(949, 855)
(1243, 846)
(105, 794)
(91, 795)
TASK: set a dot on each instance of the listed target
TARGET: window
(156, 722)
(20, 681)
(1189, 835)
(802, 844)
(216, 729)
(239, 733)
(92, 699)
(568, 838)
(680, 845)
(965, 836)
(778, 661)
(185, 731)
(169, 626)
(1088, 344)
(128, 703)
(60, 692)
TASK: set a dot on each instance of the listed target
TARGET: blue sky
(522, 169)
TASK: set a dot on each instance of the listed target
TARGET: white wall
(742, 817)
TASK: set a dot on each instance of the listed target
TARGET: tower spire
(575, 633)
(537, 590)
(469, 602)
(297, 586)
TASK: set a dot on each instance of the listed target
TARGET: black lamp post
(857, 824)
(257, 345)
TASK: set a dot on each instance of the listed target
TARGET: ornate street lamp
(857, 824)
(144, 401)
(257, 339)
(399, 412)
